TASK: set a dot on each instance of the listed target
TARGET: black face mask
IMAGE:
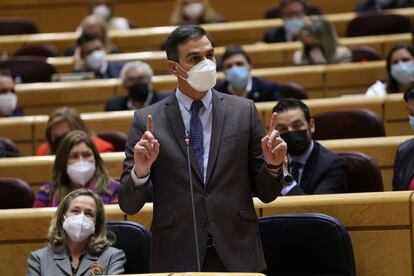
(138, 92)
(297, 141)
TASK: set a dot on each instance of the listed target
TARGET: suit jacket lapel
(62, 261)
(85, 264)
(219, 114)
(309, 170)
(175, 120)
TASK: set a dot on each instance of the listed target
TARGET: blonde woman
(77, 165)
(77, 241)
(194, 12)
(320, 44)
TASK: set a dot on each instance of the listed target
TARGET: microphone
(187, 145)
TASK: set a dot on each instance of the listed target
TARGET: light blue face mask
(293, 25)
(411, 121)
(403, 72)
(238, 76)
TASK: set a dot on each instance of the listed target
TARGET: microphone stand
(187, 144)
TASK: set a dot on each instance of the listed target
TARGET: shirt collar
(303, 157)
(186, 101)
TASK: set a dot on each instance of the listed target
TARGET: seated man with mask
(292, 12)
(136, 80)
(315, 169)
(8, 98)
(236, 65)
(90, 56)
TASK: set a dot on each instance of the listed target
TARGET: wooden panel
(242, 32)
(362, 76)
(398, 128)
(14, 256)
(382, 252)
(144, 216)
(353, 210)
(387, 175)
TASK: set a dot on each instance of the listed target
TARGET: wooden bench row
(262, 55)
(381, 149)
(150, 39)
(380, 226)
(28, 131)
(320, 81)
(65, 15)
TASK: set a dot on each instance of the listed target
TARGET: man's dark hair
(284, 3)
(291, 103)
(409, 94)
(88, 36)
(5, 73)
(235, 50)
(180, 35)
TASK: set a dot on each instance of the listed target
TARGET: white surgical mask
(102, 10)
(202, 76)
(78, 227)
(293, 25)
(403, 72)
(8, 103)
(193, 10)
(96, 60)
(81, 172)
(411, 121)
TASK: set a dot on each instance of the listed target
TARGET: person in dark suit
(236, 65)
(8, 97)
(90, 56)
(292, 13)
(136, 79)
(315, 169)
(230, 160)
(404, 158)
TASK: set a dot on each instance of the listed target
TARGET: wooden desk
(262, 55)
(379, 224)
(66, 15)
(381, 149)
(150, 39)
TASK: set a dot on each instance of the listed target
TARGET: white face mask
(193, 10)
(202, 76)
(102, 10)
(78, 227)
(293, 25)
(8, 103)
(81, 172)
(96, 60)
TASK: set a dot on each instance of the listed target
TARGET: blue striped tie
(196, 135)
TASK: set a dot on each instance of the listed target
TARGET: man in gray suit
(231, 160)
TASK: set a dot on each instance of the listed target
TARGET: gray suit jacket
(46, 262)
(224, 204)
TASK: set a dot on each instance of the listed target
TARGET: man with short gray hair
(136, 79)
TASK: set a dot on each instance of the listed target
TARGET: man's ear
(173, 67)
(312, 125)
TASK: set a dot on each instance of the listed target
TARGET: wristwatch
(273, 167)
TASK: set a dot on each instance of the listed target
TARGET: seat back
(293, 90)
(15, 193)
(378, 24)
(352, 123)
(45, 50)
(306, 244)
(364, 174)
(116, 138)
(10, 26)
(364, 53)
(135, 241)
(29, 69)
(8, 148)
